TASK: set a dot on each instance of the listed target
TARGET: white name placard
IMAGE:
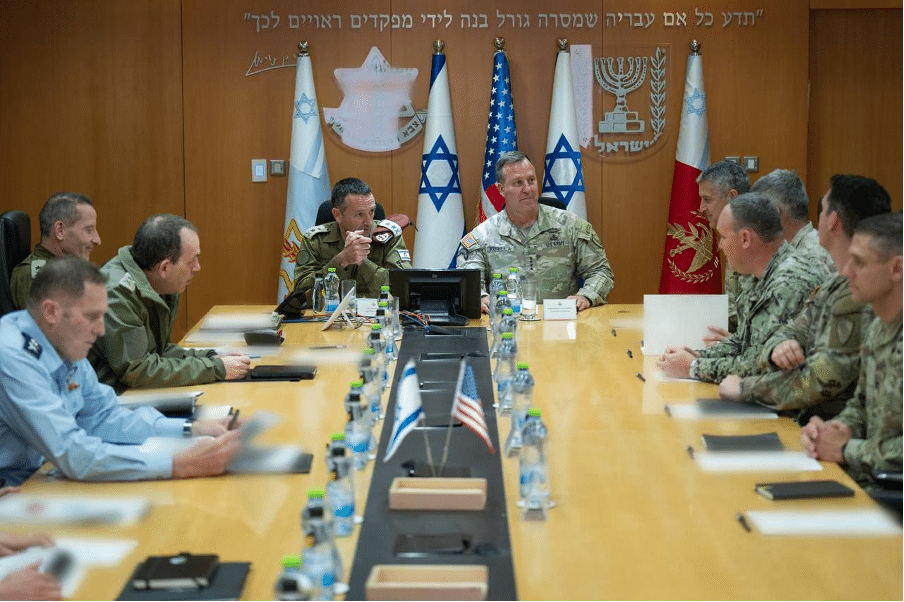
(367, 307)
(560, 309)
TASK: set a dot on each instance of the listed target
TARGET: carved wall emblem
(698, 238)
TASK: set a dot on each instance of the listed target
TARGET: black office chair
(551, 202)
(325, 213)
(15, 245)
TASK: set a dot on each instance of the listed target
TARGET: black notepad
(282, 372)
(725, 407)
(180, 571)
(799, 490)
(227, 583)
(762, 442)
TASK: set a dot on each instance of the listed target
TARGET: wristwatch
(690, 370)
(186, 428)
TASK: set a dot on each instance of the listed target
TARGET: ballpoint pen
(235, 417)
(640, 376)
(743, 520)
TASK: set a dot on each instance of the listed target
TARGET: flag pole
(461, 374)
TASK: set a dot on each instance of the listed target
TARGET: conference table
(635, 517)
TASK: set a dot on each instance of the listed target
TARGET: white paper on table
(849, 521)
(35, 509)
(165, 398)
(169, 445)
(205, 412)
(755, 461)
(240, 322)
(691, 411)
(681, 320)
(85, 553)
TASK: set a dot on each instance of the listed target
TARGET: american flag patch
(469, 240)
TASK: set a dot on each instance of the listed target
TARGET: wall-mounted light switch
(258, 170)
(277, 167)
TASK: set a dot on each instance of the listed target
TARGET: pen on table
(630, 355)
(235, 417)
(690, 451)
(613, 332)
(328, 347)
(640, 376)
(743, 521)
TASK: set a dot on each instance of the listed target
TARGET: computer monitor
(441, 294)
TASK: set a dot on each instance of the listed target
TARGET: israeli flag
(407, 409)
(440, 212)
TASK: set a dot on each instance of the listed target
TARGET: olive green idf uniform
(25, 272)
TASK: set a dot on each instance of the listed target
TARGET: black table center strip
(484, 535)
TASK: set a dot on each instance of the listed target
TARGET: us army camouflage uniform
(874, 412)
(829, 330)
(558, 249)
(771, 301)
(806, 243)
(25, 272)
(318, 250)
(136, 351)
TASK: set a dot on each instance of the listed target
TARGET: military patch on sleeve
(404, 255)
(32, 346)
(127, 281)
(469, 240)
(36, 266)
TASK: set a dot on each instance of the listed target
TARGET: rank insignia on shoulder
(32, 346)
(36, 266)
(128, 282)
(469, 240)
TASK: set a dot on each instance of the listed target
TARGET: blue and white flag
(309, 182)
(440, 213)
(407, 409)
(563, 176)
(501, 135)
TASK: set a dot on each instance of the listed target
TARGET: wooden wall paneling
(756, 105)
(855, 117)
(91, 101)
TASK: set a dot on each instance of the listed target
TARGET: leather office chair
(325, 213)
(15, 245)
(549, 202)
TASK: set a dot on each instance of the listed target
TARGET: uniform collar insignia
(32, 346)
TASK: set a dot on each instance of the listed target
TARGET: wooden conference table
(636, 518)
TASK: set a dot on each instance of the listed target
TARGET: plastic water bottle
(505, 370)
(378, 344)
(319, 295)
(499, 305)
(513, 286)
(392, 315)
(357, 437)
(292, 583)
(371, 390)
(509, 323)
(331, 284)
(496, 285)
(384, 319)
(522, 400)
(318, 562)
(340, 489)
(532, 465)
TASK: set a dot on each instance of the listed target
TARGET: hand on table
(676, 361)
(208, 457)
(237, 365)
(30, 584)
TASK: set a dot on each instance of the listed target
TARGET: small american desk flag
(467, 407)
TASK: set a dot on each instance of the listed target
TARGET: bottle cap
(507, 335)
(513, 269)
(497, 275)
(522, 365)
(375, 327)
(291, 562)
(315, 493)
(383, 304)
(337, 437)
(385, 287)
(502, 293)
(369, 351)
(356, 384)
(534, 412)
(331, 269)
(508, 311)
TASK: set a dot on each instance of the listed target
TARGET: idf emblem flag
(501, 134)
(309, 182)
(440, 214)
(690, 262)
(563, 176)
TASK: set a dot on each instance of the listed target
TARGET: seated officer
(52, 408)
(347, 245)
(144, 284)
(557, 247)
(750, 235)
(68, 227)
(866, 436)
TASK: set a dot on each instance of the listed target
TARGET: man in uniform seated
(144, 284)
(557, 247)
(866, 436)
(347, 245)
(68, 224)
(810, 365)
(750, 235)
(52, 407)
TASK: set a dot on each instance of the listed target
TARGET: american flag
(501, 135)
(467, 407)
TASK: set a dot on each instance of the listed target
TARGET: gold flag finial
(499, 43)
(438, 47)
(562, 43)
(303, 48)
(695, 47)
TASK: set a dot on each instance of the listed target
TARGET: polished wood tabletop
(635, 517)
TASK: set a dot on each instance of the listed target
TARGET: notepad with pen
(800, 490)
(762, 442)
(179, 571)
